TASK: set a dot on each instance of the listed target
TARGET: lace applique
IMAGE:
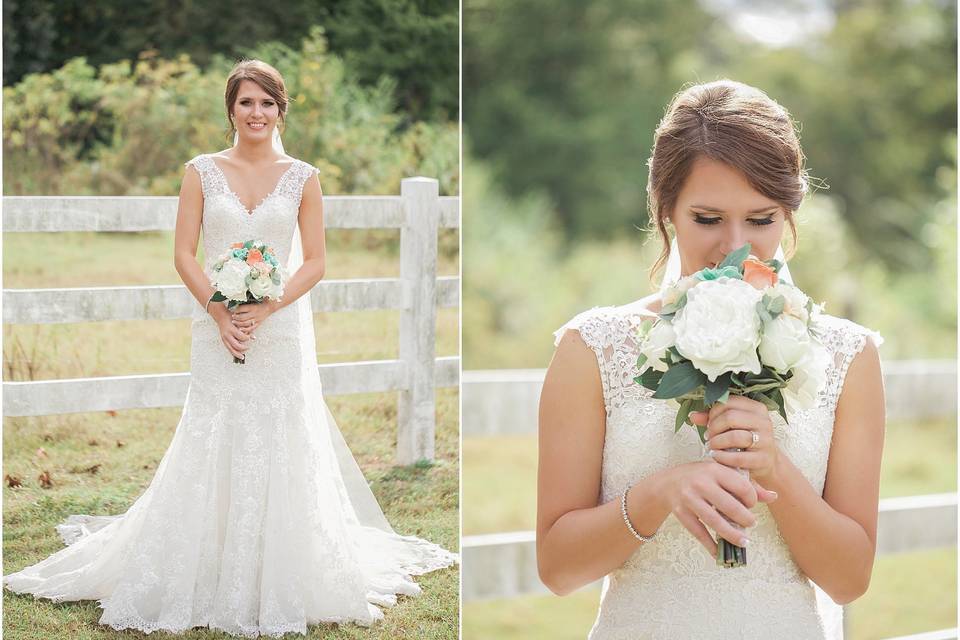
(682, 591)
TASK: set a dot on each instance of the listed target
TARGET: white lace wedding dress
(258, 520)
(671, 588)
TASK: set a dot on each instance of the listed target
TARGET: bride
(622, 497)
(258, 520)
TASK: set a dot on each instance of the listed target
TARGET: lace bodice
(671, 587)
(226, 220)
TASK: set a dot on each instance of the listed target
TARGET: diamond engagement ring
(756, 439)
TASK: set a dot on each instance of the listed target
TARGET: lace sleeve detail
(294, 181)
(844, 339)
(607, 333)
(208, 178)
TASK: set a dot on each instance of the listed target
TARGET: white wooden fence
(504, 565)
(419, 212)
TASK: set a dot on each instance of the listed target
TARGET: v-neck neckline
(236, 197)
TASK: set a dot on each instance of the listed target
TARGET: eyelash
(711, 221)
(246, 102)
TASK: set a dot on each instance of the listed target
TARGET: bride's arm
(186, 238)
(312, 237)
(577, 541)
(834, 539)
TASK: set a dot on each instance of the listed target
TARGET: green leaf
(775, 304)
(641, 360)
(698, 405)
(763, 313)
(777, 396)
(736, 258)
(713, 390)
(761, 388)
(678, 380)
(703, 434)
(770, 404)
(650, 379)
(682, 414)
(218, 297)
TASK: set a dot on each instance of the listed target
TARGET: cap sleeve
(608, 333)
(844, 339)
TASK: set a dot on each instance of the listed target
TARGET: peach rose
(758, 274)
(254, 256)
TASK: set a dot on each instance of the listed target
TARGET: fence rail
(504, 565)
(418, 212)
(504, 401)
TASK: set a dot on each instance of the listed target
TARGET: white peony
(232, 279)
(809, 377)
(276, 290)
(784, 343)
(718, 330)
(673, 294)
(795, 300)
(655, 344)
(261, 285)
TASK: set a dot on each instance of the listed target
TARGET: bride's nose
(734, 238)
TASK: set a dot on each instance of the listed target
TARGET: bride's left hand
(731, 425)
(250, 315)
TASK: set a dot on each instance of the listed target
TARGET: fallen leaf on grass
(92, 442)
(45, 481)
(41, 453)
(13, 481)
(121, 443)
(111, 413)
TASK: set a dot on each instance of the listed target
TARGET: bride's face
(255, 106)
(717, 211)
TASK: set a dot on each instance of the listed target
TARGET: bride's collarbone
(250, 181)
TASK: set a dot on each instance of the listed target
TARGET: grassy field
(908, 594)
(99, 463)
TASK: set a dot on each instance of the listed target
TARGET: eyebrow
(715, 210)
(251, 98)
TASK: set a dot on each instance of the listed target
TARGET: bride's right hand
(234, 338)
(702, 493)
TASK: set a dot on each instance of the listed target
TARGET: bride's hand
(702, 493)
(732, 425)
(234, 339)
(249, 316)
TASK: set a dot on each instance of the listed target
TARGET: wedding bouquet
(248, 273)
(734, 328)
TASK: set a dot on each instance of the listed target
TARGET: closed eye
(707, 220)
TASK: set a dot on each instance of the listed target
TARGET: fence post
(418, 319)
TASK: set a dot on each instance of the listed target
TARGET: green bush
(127, 128)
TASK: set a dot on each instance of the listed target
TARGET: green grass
(908, 593)
(91, 473)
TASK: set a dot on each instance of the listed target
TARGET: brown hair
(266, 77)
(733, 123)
